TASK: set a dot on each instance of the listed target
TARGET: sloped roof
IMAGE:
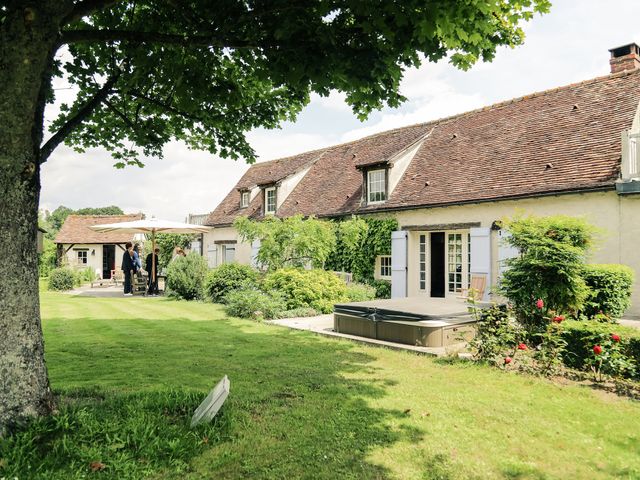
(75, 229)
(560, 140)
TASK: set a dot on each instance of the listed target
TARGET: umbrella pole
(153, 259)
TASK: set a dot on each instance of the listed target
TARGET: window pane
(376, 185)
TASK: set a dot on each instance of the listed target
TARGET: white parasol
(152, 226)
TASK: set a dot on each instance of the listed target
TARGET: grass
(129, 372)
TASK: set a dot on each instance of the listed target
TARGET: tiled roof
(560, 140)
(75, 229)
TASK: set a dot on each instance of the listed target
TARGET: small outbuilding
(81, 247)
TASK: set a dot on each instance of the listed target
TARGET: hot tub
(427, 322)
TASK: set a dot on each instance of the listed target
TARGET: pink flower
(597, 349)
(522, 346)
(615, 337)
(540, 304)
(558, 319)
(507, 360)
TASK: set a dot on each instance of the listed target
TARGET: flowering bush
(497, 335)
(603, 349)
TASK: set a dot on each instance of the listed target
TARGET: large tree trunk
(27, 43)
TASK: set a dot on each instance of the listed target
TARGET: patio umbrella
(152, 226)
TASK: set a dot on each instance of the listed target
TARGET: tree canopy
(207, 71)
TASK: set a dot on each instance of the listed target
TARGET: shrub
(610, 290)
(549, 267)
(497, 335)
(317, 289)
(299, 312)
(186, 275)
(84, 275)
(360, 292)
(61, 279)
(383, 288)
(253, 303)
(47, 259)
(621, 360)
(227, 278)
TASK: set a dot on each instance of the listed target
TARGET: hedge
(580, 336)
(609, 289)
(227, 278)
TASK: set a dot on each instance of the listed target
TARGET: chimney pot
(626, 57)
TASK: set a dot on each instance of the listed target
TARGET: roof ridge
(501, 103)
(540, 93)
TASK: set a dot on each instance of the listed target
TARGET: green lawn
(130, 371)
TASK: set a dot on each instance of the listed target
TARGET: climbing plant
(359, 241)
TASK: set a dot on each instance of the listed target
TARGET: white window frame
(83, 257)
(267, 211)
(385, 267)
(244, 199)
(377, 182)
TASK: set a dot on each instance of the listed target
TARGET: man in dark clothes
(128, 268)
(153, 285)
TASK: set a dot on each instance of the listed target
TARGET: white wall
(243, 249)
(94, 257)
(617, 217)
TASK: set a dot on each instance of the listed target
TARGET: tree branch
(90, 35)
(86, 7)
(77, 119)
(168, 107)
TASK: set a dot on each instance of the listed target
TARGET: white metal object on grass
(210, 405)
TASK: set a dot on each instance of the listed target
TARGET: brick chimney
(626, 57)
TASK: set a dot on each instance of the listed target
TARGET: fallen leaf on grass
(425, 414)
(407, 411)
(97, 466)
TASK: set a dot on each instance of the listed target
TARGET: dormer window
(244, 199)
(376, 186)
(270, 200)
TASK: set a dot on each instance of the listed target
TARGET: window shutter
(481, 255)
(505, 252)
(255, 247)
(212, 255)
(398, 264)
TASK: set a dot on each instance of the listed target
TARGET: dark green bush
(609, 290)
(253, 303)
(317, 289)
(581, 337)
(186, 275)
(360, 292)
(61, 279)
(549, 267)
(227, 278)
(383, 288)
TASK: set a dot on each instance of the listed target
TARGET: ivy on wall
(359, 241)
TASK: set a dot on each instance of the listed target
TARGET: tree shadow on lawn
(126, 396)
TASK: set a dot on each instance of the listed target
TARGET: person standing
(128, 268)
(136, 257)
(153, 275)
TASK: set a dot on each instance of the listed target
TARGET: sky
(568, 45)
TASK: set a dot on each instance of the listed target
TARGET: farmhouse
(80, 247)
(572, 150)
